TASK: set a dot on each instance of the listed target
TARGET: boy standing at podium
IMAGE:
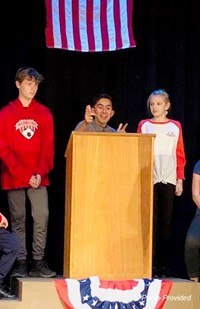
(97, 117)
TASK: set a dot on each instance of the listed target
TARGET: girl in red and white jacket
(169, 163)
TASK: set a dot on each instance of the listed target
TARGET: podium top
(111, 134)
(106, 134)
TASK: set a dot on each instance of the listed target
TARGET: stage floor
(39, 293)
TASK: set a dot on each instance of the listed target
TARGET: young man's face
(27, 88)
(103, 111)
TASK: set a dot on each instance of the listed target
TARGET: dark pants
(9, 248)
(40, 213)
(162, 224)
(192, 247)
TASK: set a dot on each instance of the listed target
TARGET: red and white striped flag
(89, 25)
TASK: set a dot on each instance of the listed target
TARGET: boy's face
(27, 88)
(103, 111)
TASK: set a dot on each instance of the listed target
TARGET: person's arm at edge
(180, 155)
(3, 221)
(196, 189)
(46, 161)
(89, 115)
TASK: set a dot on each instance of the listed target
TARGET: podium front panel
(108, 212)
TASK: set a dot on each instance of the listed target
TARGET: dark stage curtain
(167, 56)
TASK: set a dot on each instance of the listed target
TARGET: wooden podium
(109, 206)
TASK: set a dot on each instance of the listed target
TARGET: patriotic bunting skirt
(127, 294)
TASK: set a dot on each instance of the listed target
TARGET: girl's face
(158, 106)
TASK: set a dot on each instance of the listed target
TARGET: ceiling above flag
(89, 25)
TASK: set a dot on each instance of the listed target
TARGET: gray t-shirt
(94, 127)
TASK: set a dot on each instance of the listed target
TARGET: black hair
(100, 96)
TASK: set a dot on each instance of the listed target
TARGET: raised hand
(89, 114)
(122, 128)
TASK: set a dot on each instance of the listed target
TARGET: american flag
(127, 294)
(89, 25)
